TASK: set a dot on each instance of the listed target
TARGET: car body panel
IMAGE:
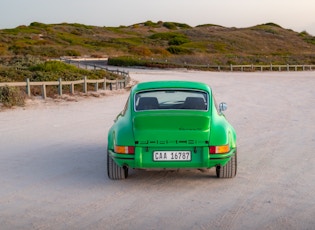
(171, 130)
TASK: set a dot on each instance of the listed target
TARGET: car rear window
(179, 99)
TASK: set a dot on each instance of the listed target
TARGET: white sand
(53, 165)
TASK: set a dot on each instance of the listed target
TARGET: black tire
(114, 171)
(229, 170)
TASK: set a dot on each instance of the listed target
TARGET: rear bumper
(144, 160)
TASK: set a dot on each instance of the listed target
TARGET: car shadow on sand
(85, 167)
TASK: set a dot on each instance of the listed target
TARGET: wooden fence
(242, 68)
(119, 84)
(86, 63)
(91, 64)
(252, 68)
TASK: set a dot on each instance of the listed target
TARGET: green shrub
(8, 74)
(43, 51)
(178, 50)
(182, 25)
(125, 61)
(209, 25)
(174, 39)
(53, 70)
(175, 25)
(150, 23)
(52, 66)
(307, 37)
(39, 24)
(11, 96)
(166, 36)
(304, 34)
(270, 28)
(170, 25)
(178, 41)
(272, 24)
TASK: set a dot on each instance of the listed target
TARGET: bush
(53, 70)
(175, 25)
(178, 50)
(125, 61)
(170, 25)
(172, 38)
(307, 37)
(166, 35)
(150, 23)
(178, 41)
(11, 96)
(52, 66)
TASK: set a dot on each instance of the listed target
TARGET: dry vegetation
(175, 42)
(25, 49)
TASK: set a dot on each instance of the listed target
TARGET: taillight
(219, 149)
(125, 149)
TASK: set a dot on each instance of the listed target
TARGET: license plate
(171, 155)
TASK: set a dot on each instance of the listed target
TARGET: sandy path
(53, 173)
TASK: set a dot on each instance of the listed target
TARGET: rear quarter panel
(121, 132)
(222, 131)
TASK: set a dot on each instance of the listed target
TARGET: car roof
(171, 84)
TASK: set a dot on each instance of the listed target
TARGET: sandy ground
(53, 165)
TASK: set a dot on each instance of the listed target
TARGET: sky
(298, 15)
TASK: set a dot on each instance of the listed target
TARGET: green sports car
(171, 125)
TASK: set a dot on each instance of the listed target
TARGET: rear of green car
(171, 125)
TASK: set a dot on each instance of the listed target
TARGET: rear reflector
(125, 149)
(219, 149)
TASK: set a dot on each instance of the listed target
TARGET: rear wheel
(229, 170)
(114, 171)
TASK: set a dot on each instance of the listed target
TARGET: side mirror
(222, 107)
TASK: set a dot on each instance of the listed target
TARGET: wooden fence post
(116, 84)
(72, 88)
(288, 67)
(60, 87)
(44, 91)
(104, 84)
(96, 86)
(126, 81)
(231, 66)
(28, 87)
(85, 85)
